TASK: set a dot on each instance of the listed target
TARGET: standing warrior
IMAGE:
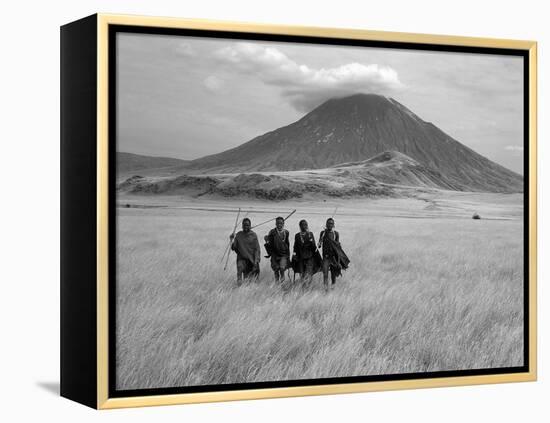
(334, 258)
(306, 259)
(277, 246)
(245, 244)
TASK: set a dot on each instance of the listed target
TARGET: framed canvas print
(255, 211)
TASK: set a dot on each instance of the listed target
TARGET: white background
(29, 233)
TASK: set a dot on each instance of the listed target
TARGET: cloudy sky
(187, 97)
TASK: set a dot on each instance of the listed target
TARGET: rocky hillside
(385, 175)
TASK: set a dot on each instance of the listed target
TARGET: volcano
(358, 128)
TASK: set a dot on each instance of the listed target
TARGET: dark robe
(333, 252)
(305, 249)
(247, 247)
(278, 244)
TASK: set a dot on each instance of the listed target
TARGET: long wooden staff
(229, 245)
(232, 238)
(293, 211)
(271, 220)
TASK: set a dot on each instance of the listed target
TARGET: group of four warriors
(306, 258)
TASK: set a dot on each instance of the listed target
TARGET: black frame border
(113, 30)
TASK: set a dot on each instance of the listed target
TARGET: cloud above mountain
(305, 87)
(196, 96)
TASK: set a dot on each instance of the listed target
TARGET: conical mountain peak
(356, 128)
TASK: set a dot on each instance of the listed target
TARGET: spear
(293, 211)
(232, 238)
(271, 220)
(229, 245)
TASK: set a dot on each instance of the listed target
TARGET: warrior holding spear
(245, 244)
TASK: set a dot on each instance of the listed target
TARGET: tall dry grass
(420, 295)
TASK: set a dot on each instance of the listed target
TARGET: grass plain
(428, 289)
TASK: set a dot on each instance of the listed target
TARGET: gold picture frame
(100, 23)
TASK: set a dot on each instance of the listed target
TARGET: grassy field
(428, 289)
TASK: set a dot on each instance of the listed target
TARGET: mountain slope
(394, 168)
(129, 162)
(357, 128)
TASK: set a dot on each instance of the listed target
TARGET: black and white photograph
(302, 211)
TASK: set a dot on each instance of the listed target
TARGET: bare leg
(309, 271)
(303, 280)
(326, 267)
(239, 273)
